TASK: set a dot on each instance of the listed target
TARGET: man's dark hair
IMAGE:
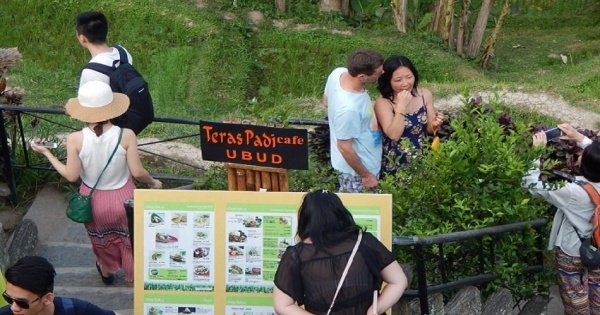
(364, 61)
(93, 25)
(32, 273)
(590, 162)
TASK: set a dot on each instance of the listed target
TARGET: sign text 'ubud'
(254, 145)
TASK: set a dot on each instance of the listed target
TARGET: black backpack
(125, 79)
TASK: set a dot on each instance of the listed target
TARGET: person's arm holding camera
(572, 134)
(561, 197)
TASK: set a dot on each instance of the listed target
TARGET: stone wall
(468, 301)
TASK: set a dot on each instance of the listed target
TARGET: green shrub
(472, 182)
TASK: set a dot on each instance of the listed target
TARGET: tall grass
(201, 65)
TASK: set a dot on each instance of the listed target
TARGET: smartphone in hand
(553, 133)
(46, 144)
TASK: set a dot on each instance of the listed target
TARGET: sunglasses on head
(22, 303)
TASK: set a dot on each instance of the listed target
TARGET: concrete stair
(67, 246)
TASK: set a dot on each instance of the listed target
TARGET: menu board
(216, 252)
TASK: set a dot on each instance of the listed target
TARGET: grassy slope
(529, 49)
(201, 66)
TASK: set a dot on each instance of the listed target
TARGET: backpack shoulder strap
(104, 69)
(68, 306)
(122, 54)
(591, 191)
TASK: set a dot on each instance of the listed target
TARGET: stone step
(108, 297)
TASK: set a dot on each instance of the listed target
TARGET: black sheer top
(311, 278)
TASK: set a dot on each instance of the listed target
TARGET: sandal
(107, 280)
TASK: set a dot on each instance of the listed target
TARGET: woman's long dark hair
(324, 218)
(99, 128)
(384, 84)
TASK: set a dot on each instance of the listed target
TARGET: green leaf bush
(473, 181)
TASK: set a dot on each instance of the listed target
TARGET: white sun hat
(96, 102)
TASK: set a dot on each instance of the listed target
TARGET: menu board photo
(216, 252)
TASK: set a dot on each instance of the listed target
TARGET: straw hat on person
(96, 102)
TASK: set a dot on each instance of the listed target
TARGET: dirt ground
(545, 103)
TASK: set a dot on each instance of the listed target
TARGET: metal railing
(8, 150)
(417, 244)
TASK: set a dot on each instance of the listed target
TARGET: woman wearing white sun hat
(88, 152)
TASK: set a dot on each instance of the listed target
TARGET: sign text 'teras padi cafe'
(254, 145)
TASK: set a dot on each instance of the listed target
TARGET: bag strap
(109, 159)
(98, 67)
(594, 196)
(122, 54)
(592, 192)
(346, 270)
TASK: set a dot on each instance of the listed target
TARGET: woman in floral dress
(404, 111)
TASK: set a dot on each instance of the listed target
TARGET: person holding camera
(579, 285)
(103, 148)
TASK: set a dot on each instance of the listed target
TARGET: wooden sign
(254, 145)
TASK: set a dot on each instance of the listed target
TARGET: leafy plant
(473, 181)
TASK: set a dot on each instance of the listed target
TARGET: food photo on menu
(201, 270)
(202, 220)
(253, 253)
(252, 222)
(235, 251)
(166, 238)
(201, 252)
(253, 271)
(157, 256)
(156, 219)
(186, 310)
(177, 258)
(155, 310)
(201, 235)
(238, 236)
(179, 218)
(235, 270)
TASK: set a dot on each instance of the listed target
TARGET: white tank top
(95, 152)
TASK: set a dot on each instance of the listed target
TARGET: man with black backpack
(113, 65)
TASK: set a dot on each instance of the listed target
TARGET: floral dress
(394, 155)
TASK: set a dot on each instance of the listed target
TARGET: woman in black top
(309, 271)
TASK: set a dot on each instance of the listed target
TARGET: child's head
(590, 162)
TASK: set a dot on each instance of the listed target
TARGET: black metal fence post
(421, 279)
(7, 160)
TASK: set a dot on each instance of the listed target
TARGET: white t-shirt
(351, 116)
(107, 59)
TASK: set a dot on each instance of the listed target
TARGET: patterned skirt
(108, 230)
(579, 286)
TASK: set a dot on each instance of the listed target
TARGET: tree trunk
(462, 26)
(435, 16)
(346, 7)
(446, 27)
(330, 5)
(479, 28)
(491, 42)
(280, 5)
(399, 8)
